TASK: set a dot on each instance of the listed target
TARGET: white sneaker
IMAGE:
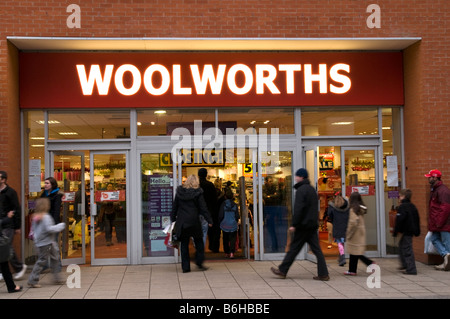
(447, 262)
(20, 274)
(439, 267)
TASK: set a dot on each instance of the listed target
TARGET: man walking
(10, 202)
(439, 217)
(210, 195)
(305, 223)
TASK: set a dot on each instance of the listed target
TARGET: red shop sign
(209, 79)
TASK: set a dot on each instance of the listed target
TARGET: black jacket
(9, 201)
(306, 207)
(338, 216)
(187, 206)
(210, 196)
(55, 204)
(407, 220)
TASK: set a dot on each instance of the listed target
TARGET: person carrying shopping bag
(6, 255)
(187, 206)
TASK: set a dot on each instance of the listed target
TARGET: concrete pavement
(240, 279)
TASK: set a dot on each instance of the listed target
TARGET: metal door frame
(82, 259)
(110, 261)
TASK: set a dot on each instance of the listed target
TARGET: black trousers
(229, 241)
(7, 276)
(300, 238)
(353, 264)
(406, 254)
(186, 235)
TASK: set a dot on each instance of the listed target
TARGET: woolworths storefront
(120, 126)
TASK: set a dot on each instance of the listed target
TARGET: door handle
(94, 210)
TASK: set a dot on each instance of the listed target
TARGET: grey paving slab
(239, 279)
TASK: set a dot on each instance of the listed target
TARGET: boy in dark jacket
(407, 222)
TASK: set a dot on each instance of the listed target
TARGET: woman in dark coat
(52, 192)
(187, 206)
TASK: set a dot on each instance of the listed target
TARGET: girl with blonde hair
(44, 230)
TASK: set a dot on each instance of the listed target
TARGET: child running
(44, 231)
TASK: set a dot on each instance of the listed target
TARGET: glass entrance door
(347, 170)
(108, 187)
(235, 171)
(69, 171)
(275, 202)
(359, 170)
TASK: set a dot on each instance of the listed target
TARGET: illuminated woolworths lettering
(148, 79)
(240, 79)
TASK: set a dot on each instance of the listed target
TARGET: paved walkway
(240, 279)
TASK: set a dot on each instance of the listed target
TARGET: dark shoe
(186, 270)
(342, 261)
(323, 278)
(202, 268)
(18, 288)
(277, 272)
(409, 273)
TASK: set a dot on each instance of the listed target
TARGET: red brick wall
(427, 111)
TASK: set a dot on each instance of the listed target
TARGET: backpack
(229, 223)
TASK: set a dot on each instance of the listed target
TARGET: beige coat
(356, 234)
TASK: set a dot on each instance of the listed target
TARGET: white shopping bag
(429, 247)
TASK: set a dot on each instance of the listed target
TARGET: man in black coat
(210, 195)
(9, 201)
(305, 224)
(407, 222)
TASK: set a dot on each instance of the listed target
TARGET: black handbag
(5, 247)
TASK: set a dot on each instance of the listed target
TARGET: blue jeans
(441, 240)
(205, 227)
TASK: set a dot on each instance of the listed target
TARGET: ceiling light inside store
(342, 123)
(68, 133)
(386, 127)
(38, 145)
(49, 122)
(160, 112)
(37, 138)
(266, 122)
